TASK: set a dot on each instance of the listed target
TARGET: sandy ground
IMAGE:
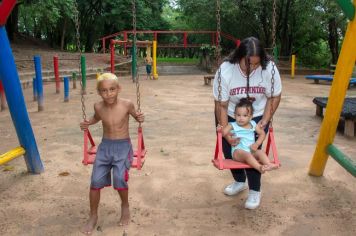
(178, 191)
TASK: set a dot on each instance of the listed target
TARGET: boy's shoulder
(124, 101)
(99, 104)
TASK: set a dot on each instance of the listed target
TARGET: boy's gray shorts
(114, 154)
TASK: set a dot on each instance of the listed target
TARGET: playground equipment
(337, 94)
(90, 152)
(213, 38)
(39, 82)
(348, 114)
(292, 71)
(328, 78)
(125, 44)
(66, 89)
(219, 161)
(56, 61)
(16, 103)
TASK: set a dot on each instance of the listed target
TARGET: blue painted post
(66, 89)
(17, 107)
(39, 82)
(34, 88)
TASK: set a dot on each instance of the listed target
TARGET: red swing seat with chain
(222, 164)
(90, 152)
(139, 154)
(219, 161)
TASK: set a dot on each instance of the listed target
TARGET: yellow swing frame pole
(12, 154)
(338, 90)
(155, 74)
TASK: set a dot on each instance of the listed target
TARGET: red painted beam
(6, 7)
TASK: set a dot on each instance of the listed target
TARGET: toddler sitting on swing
(244, 129)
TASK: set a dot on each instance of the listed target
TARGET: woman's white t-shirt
(234, 86)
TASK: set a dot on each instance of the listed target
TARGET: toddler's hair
(245, 102)
(106, 76)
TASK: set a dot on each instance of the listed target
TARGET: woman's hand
(229, 137)
(262, 123)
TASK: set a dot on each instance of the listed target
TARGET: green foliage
(315, 55)
(302, 27)
(32, 18)
(207, 49)
(54, 19)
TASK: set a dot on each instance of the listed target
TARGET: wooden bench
(348, 113)
(207, 79)
(329, 78)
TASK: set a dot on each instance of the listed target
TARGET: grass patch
(179, 61)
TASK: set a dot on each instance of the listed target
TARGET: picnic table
(348, 114)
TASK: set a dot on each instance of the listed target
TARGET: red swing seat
(90, 152)
(222, 164)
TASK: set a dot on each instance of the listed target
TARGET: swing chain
(136, 75)
(218, 33)
(273, 63)
(77, 27)
(274, 23)
(218, 56)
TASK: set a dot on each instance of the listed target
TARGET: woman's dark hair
(249, 47)
(245, 102)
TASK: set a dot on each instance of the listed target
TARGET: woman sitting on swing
(247, 72)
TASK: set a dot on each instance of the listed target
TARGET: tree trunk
(63, 33)
(285, 40)
(333, 40)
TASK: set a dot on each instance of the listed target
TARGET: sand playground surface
(178, 191)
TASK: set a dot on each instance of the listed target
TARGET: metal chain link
(273, 63)
(218, 51)
(218, 32)
(274, 16)
(77, 27)
(136, 76)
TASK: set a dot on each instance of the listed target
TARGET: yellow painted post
(12, 154)
(155, 75)
(293, 66)
(337, 94)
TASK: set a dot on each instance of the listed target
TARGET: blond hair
(106, 76)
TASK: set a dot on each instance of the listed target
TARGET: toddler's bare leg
(263, 158)
(94, 197)
(246, 157)
(125, 210)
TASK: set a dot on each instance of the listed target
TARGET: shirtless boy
(115, 150)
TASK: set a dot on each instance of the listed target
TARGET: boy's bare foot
(269, 167)
(125, 216)
(90, 225)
